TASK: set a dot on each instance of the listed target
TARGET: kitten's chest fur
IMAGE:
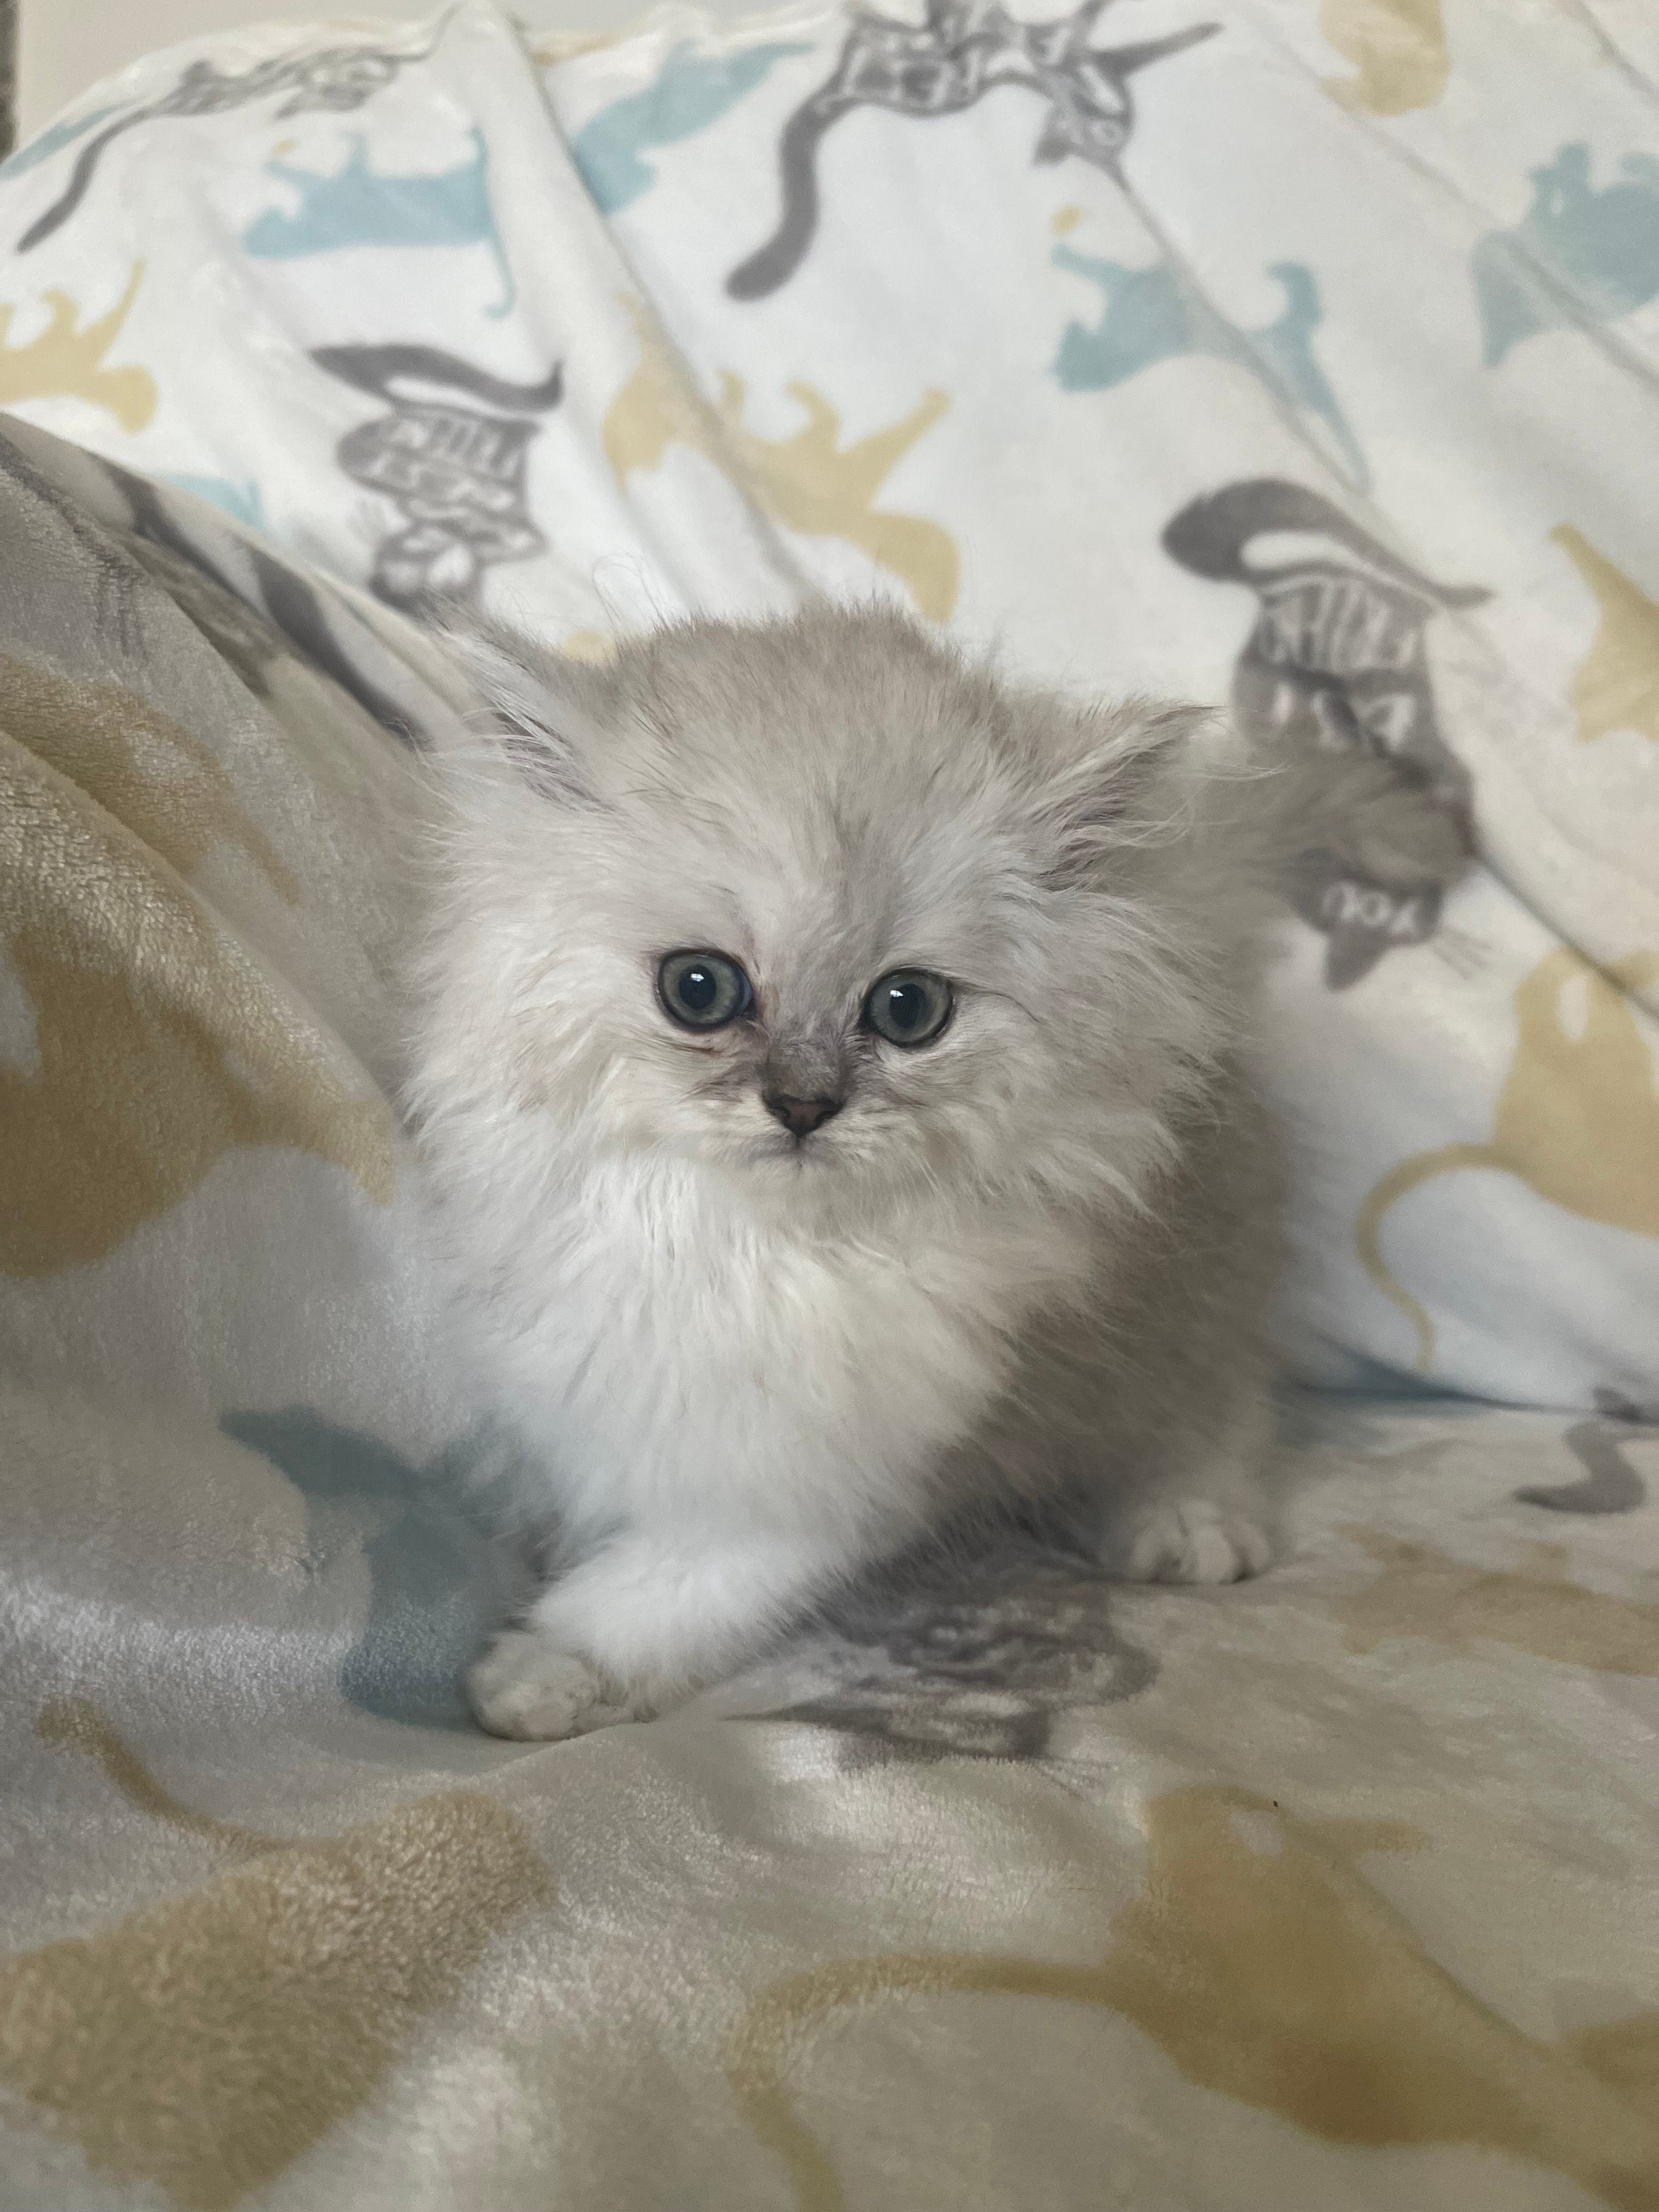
(674, 1354)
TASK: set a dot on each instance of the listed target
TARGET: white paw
(1187, 1540)
(526, 1684)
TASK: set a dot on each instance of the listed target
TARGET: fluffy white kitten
(831, 1072)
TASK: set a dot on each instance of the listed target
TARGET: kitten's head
(814, 905)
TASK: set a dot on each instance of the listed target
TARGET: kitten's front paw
(525, 1685)
(1186, 1540)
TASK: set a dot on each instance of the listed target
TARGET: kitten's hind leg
(1204, 1517)
(638, 1626)
(1187, 1412)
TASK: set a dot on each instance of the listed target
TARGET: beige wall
(67, 44)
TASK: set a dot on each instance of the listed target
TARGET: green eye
(703, 990)
(909, 1006)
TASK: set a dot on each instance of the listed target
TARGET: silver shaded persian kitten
(831, 1067)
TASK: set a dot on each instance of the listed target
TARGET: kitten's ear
(1123, 777)
(538, 711)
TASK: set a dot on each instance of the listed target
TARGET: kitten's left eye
(703, 990)
(909, 1006)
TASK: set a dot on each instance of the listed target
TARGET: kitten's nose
(800, 1116)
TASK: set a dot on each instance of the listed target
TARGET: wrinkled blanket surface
(1014, 1889)
(1305, 356)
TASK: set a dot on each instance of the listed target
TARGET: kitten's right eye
(703, 990)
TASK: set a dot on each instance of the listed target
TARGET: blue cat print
(1578, 255)
(689, 91)
(241, 502)
(431, 1590)
(1152, 315)
(52, 141)
(359, 205)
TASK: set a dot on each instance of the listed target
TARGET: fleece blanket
(1302, 357)
(1010, 1889)
(1013, 1888)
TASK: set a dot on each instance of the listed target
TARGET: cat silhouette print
(965, 49)
(357, 205)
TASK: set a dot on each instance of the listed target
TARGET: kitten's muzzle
(800, 1116)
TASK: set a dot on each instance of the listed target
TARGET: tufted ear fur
(1120, 778)
(539, 712)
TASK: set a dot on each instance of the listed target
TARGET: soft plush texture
(1015, 1890)
(1299, 356)
(1025, 1263)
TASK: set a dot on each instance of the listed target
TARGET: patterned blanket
(1311, 363)
(1305, 357)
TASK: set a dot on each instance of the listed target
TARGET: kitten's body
(1027, 1262)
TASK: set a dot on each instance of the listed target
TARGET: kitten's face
(806, 905)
